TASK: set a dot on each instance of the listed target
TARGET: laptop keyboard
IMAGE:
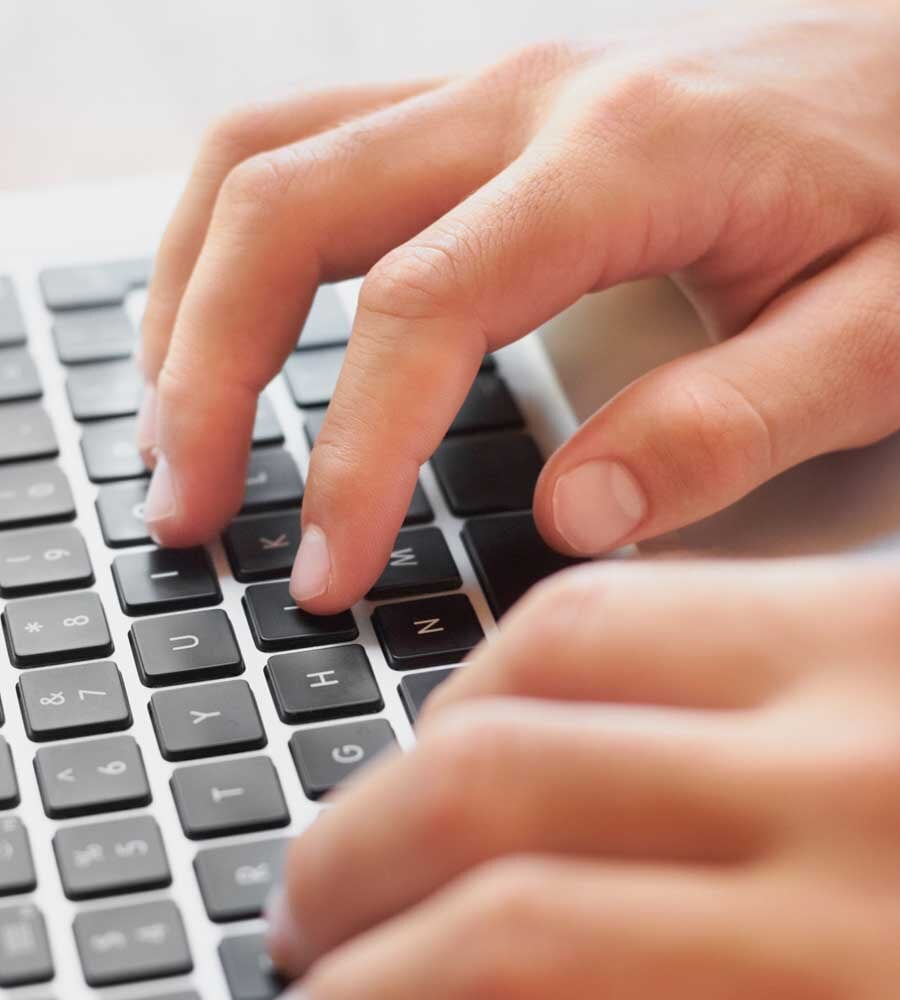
(127, 662)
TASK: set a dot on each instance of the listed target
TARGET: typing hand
(754, 157)
(628, 794)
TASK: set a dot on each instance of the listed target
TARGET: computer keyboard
(154, 699)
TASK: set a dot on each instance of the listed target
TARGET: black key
(165, 580)
(120, 508)
(105, 859)
(248, 969)
(81, 700)
(16, 863)
(102, 334)
(55, 629)
(427, 633)
(9, 786)
(102, 284)
(420, 511)
(324, 757)
(126, 944)
(18, 375)
(33, 494)
(415, 688)
(327, 323)
(420, 563)
(25, 433)
(187, 647)
(43, 559)
(24, 948)
(110, 452)
(236, 880)
(312, 375)
(108, 389)
(206, 719)
(488, 406)
(91, 776)
(313, 418)
(12, 325)
(485, 474)
(509, 556)
(323, 684)
(266, 429)
(235, 796)
(277, 623)
(273, 480)
(262, 546)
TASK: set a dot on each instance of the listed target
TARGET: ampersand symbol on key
(56, 698)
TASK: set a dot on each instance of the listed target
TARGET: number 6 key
(42, 630)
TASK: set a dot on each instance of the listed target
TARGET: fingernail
(597, 506)
(283, 934)
(146, 423)
(312, 566)
(160, 503)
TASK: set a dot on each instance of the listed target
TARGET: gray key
(327, 756)
(43, 559)
(12, 325)
(248, 968)
(125, 944)
(236, 880)
(102, 334)
(234, 796)
(206, 719)
(9, 786)
(54, 629)
(120, 508)
(171, 649)
(328, 322)
(266, 429)
(24, 949)
(312, 375)
(18, 375)
(16, 863)
(180, 995)
(34, 493)
(108, 389)
(81, 700)
(101, 859)
(273, 480)
(91, 776)
(85, 285)
(25, 433)
(110, 451)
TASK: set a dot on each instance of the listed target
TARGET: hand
(754, 157)
(702, 805)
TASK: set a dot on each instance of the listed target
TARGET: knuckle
(415, 281)
(237, 134)
(259, 184)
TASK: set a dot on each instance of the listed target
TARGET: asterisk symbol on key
(33, 627)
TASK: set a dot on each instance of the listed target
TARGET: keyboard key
(273, 480)
(185, 647)
(180, 995)
(415, 688)
(262, 546)
(25, 433)
(277, 623)
(16, 862)
(313, 418)
(110, 452)
(105, 859)
(54, 629)
(24, 948)
(489, 473)
(206, 719)
(62, 702)
(101, 284)
(165, 580)
(323, 684)
(420, 563)
(248, 969)
(236, 880)
(324, 757)
(127, 944)
(102, 334)
(234, 796)
(18, 375)
(33, 494)
(108, 389)
(12, 325)
(266, 429)
(420, 511)
(509, 556)
(43, 559)
(91, 776)
(328, 322)
(312, 375)
(427, 633)
(488, 406)
(9, 786)
(120, 508)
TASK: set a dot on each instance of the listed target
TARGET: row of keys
(18, 376)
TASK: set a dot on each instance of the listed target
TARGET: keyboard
(168, 718)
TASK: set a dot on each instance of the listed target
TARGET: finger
(699, 433)
(530, 928)
(322, 209)
(511, 777)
